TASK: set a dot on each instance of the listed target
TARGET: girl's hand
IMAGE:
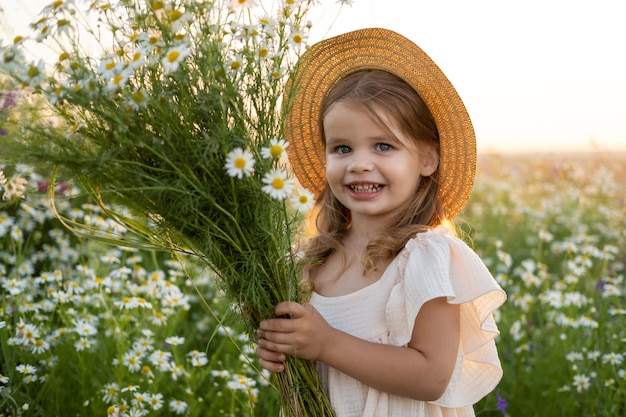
(303, 333)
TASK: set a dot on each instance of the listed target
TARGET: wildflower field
(90, 326)
(91, 329)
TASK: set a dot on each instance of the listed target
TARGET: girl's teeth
(370, 188)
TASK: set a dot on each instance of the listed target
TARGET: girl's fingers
(272, 366)
(277, 343)
(288, 308)
(268, 359)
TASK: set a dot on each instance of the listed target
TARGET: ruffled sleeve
(437, 264)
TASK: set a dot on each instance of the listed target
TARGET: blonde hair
(379, 93)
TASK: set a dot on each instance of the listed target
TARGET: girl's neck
(366, 229)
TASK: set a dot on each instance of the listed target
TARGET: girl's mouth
(365, 188)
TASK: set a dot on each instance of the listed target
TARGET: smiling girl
(400, 320)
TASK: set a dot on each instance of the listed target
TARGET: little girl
(400, 321)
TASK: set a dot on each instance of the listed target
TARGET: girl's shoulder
(439, 236)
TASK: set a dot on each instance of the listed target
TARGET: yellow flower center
(303, 199)
(240, 163)
(33, 72)
(175, 15)
(297, 39)
(173, 56)
(138, 97)
(263, 52)
(235, 65)
(278, 183)
(276, 150)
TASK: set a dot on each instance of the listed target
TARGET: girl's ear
(429, 161)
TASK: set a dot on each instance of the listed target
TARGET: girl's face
(370, 171)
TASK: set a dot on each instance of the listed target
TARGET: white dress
(433, 264)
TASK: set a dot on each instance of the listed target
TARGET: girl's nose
(360, 162)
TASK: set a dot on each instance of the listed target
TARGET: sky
(535, 75)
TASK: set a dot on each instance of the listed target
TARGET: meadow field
(97, 330)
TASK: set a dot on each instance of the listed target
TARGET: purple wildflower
(502, 404)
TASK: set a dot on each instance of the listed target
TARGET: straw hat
(327, 62)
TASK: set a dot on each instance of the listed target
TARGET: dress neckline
(364, 290)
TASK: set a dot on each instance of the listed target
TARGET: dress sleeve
(437, 264)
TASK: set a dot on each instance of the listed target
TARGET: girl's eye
(342, 149)
(383, 147)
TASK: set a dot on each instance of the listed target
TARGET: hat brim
(327, 62)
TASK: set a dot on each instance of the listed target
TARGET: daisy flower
(239, 162)
(26, 369)
(264, 50)
(39, 346)
(83, 328)
(84, 343)
(297, 39)
(110, 67)
(138, 100)
(178, 406)
(14, 187)
(268, 24)
(581, 383)
(131, 361)
(198, 358)
(235, 63)
(173, 57)
(613, 358)
(34, 73)
(175, 340)
(137, 60)
(278, 185)
(238, 5)
(127, 303)
(276, 149)
(156, 401)
(303, 200)
(117, 82)
(292, 3)
(110, 392)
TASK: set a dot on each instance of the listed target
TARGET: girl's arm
(420, 371)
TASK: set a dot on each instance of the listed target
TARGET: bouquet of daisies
(173, 109)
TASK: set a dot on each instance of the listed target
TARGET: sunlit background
(535, 75)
